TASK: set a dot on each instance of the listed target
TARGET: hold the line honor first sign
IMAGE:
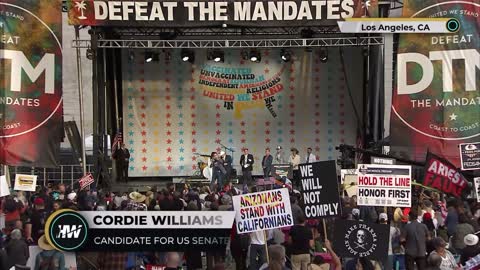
(320, 189)
(384, 185)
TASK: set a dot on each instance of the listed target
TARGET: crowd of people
(435, 234)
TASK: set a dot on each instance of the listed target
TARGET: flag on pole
(117, 141)
(86, 181)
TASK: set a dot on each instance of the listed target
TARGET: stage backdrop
(173, 109)
(30, 82)
(436, 101)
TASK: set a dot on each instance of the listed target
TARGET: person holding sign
(294, 160)
(301, 241)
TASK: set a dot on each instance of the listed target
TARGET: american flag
(86, 181)
(117, 141)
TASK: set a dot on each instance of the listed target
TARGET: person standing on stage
(310, 156)
(279, 156)
(122, 156)
(246, 161)
(227, 164)
(294, 160)
(218, 171)
(267, 164)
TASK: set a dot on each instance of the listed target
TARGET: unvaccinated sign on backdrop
(210, 13)
(30, 82)
(436, 101)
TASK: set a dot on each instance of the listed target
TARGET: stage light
(187, 55)
(148, 57)
(216, 55)
(323, 55)
(168, 55)
(255, 56)
(89, 54)
(286, 55)
(244, 54)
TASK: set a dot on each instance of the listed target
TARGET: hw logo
(66, 230)
(69, 231)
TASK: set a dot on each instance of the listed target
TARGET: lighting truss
(254, 43)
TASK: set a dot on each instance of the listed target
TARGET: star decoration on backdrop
(453, 117)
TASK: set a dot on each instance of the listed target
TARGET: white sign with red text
(384, 185)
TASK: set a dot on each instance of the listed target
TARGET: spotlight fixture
(255, 56)
(148, 57)
(187, 55)
(216, 56)
(286, 55)
(323, 55)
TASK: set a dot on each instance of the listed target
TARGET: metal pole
(80, 101)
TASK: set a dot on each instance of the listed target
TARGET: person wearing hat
(136, 202)
(472, 248)
(394, 233)
(49, 258)
(36, 222)
(448, 261)
(279, 155)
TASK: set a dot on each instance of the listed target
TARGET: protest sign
(4, 189)
(470, 156)
(355, 239)
(321, 197)
(262, 210)
(384, 185)
(476, 180)
(86, 181)
(25, 182)
(443, 176)
(282, 170)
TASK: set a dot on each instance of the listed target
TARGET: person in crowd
(301, 240)
(37, 220)
(239, 247)
(462, 229)
(294, 160)
(310, 156)
(320, 264)
(257, 254)
(415, 236)
(122, 158)
(71, 202)
(276, 254)
(394, 233)
(173, 261)
(57, 205)
(246, 161)
(279, 155)
(296, 209)
(448, 261)
(49, 258)
(451, 220)
(112, 260)
(267, 161)
(472, 248)
(136, 202)
(12, 208)
(360, 264)
(17, 249)
(434, 262)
